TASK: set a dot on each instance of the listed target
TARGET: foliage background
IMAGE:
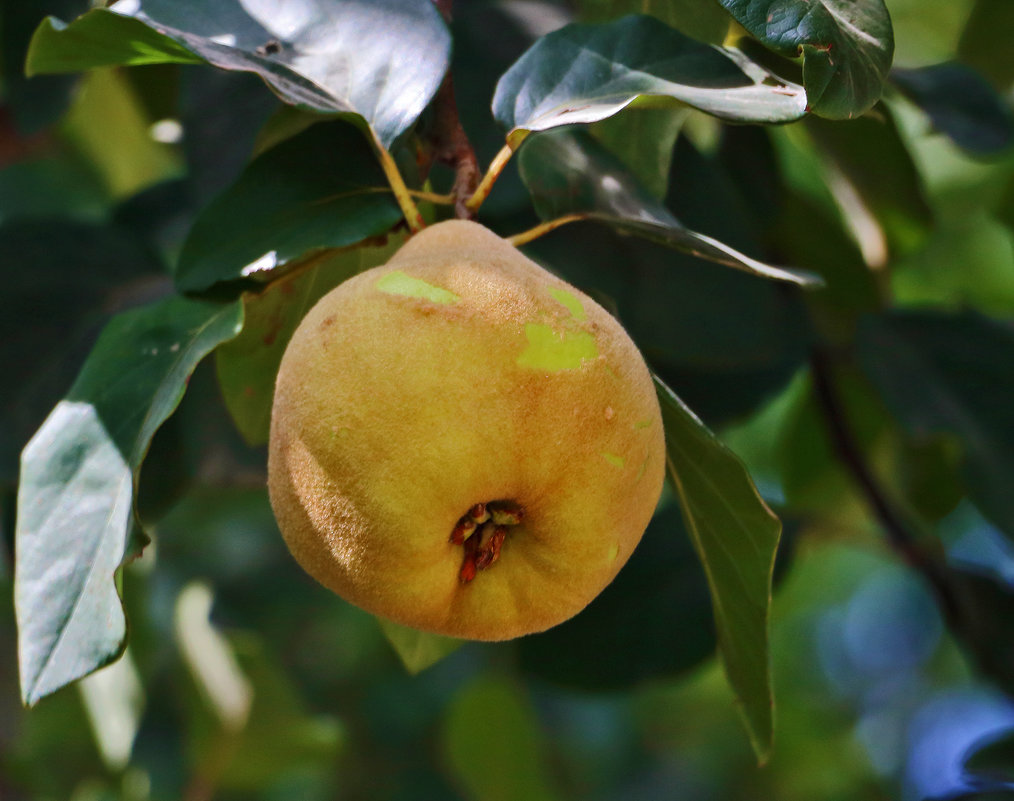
(287, 692)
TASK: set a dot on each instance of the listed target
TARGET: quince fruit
(462, 442)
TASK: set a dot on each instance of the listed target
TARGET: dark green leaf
(248, 364)
(961, 104)
(320, 189)
(702, 19)
(736, 537)
(71, 277)
(29, 104)
(381, 61)
(568, 172)
(75, 515)
(873, 158)
(985, 41)
(847, 47)
(493, 744)
(644, 138)
(632, 631)
(952, 374)
(585, 73)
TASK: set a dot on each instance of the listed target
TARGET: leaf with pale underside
(568, 172)
(586, 73)
(76, 524)
(736, 537)
(380, 62)
(847, 47)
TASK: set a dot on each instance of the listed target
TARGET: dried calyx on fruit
(462, 442)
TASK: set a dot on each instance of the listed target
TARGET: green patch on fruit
(556, 350)
(642, 424)
(614, 551)
(613, 459)
(397, 282)
(571, 301)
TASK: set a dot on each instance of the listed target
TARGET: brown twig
(893, 522)
(448, 141)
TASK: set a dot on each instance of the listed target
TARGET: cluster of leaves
(620, 121)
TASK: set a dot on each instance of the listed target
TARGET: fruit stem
(402, 194)
(486, 184)
(543, 228)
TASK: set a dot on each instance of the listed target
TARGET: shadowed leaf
(961, 104)
(736, 537)
(568, 172)
(951, 373)
(320, 189)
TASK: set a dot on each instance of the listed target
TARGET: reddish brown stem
(448, 141)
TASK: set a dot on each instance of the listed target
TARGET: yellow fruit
(457, 375)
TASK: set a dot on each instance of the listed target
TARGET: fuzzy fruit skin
(394, 413)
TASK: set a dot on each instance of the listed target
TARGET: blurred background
(244, 679)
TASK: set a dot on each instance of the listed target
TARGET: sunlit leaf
(381, 61)
(736, 537)
(585, 73)
(568, 172)
(75, 499)
(847, 47)
(951, 373)
(319, 189)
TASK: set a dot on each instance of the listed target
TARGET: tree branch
(448, 140)
(893, 522)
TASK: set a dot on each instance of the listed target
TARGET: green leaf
(961, 104)
(847, 47)
(644, 139)
(247, 365)
(75, 515)
(627, 635)
(416, 649)
(585, 73)
(985, 41)
(100, 38)
(108, 125)
(702, 19)
(568, 172)
(72, 277)
(951, 373)
(873, 158)
(381, 61)
(493, 745)
(736, 537)
(319, 189)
